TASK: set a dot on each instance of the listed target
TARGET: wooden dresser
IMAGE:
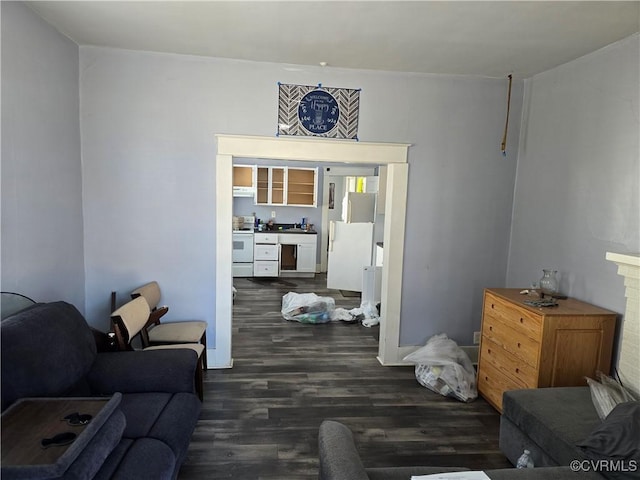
(529, 347)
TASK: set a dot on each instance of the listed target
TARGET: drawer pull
(517, 370)
(486, 379)
(518, 344)
(521, 320)
(493, 306)
(491, 328)
(489, 351)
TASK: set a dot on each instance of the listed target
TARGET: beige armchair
(157, 333)
(131, 319)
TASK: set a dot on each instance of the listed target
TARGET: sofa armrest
(169, 371)
(339, 459)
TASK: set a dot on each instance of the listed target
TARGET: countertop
(289, 230)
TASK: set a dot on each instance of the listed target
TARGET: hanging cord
(506, 123)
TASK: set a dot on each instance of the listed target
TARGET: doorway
(317, 150)
(335, 175)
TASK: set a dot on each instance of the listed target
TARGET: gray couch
(48, 350)
(549, 422)
(558, 426)
(339, 460)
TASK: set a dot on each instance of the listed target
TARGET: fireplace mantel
(629, 357)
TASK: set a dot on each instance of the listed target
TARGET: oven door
(242, 248)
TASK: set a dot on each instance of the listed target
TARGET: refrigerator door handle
(332, 234)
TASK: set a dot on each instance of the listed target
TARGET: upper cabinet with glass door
(286, 186)
(270, 185)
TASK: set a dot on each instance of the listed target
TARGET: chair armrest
(339, 459)
(170, 371)
(155, 315)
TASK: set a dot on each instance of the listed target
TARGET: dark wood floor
(260, 419)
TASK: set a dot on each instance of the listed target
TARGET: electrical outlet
(476, 338)
(273, 214)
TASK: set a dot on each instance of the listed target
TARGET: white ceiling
(453, 37)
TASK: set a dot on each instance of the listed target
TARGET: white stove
(242, 256)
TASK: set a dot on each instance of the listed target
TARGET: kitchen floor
(260, 418)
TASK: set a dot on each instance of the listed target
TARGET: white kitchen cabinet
(298, 253)
(306, 258)
(270, 185)
(286, 186)
(263, 268)
(243, 178)
(266, 255)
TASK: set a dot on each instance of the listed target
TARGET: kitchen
(285, 222)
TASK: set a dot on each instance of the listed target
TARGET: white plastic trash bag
(307, 307)
(443, 367)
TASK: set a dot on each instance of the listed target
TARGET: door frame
(319, 151)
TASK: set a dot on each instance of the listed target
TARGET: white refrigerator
(350, 250)
(359, 207)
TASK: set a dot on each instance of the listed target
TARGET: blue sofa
(49, 350)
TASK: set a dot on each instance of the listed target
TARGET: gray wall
(577, 192)
(148, 174)
(42, 230)
(148, 124)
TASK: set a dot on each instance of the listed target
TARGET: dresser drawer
(516, 317)
(492, 384)
(513, 341)
(508, 364)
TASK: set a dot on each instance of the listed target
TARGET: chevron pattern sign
(318, 111)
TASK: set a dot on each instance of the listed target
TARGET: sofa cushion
(170, 418)
(554, 418)
(176, 423)
(617, 438)
(46, 351)
(142, 411)
(139, 459)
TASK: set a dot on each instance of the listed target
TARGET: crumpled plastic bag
(443, 367)
(365, 313)
(307, 307)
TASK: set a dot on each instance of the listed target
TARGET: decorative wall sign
(318, 111)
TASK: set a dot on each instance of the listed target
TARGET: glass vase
(549, 282)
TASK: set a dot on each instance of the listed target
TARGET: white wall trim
(220, 356)
(318, 150)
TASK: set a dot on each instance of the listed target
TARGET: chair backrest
(150, 292)
(131, 318)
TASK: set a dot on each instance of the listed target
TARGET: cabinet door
(277, 185)
(302, 186)
(270, 185)
(242, 176)
(306, 258)
(262, 185)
